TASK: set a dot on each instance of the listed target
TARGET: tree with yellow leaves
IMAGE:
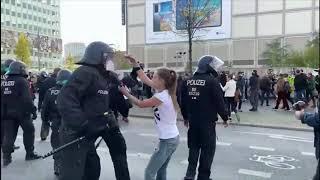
(22, 50)
(70, 63)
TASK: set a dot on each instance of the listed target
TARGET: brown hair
(170, 82)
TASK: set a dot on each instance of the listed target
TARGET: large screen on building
(166, 19)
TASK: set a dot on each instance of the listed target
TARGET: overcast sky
(92, 20)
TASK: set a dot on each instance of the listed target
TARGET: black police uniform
(201, 101)
(82, 103)
(41, 89)
(4, 68)
(16, 109)
(47, 84)
(49, 113)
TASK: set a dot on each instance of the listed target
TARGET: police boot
(32, 156)
(7, 159)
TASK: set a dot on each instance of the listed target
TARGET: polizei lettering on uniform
(7, 83)
(103, 92)
(196, 82)
(55, 92)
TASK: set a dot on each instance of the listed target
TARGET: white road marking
(136, 155)
(255, 173)
(308, 153)
(148, 135)
(280, 136)
(223, 143)
(261, 148)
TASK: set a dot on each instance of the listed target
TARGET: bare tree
(194, 14)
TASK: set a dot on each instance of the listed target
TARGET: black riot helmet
(17, 68)
(209, 65)
(43, 74)
(97, 53)
(63, 76)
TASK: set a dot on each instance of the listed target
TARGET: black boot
(7, 159)
(32, 156)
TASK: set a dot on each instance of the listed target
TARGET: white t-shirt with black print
(165, 116)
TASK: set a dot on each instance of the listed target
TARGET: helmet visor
(216, 63)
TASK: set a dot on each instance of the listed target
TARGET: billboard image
(165, 20)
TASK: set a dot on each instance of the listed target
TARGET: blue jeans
(300, 95)
(160, 159)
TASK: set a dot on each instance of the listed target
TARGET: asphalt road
(243, 153)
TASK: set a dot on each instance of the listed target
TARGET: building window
(19, 25)
(25, 26)
(53, 13)
(8, 23)
(7, 1)
(44, 11)
(30, 17)
(44, 20)
(30, 27)
(29, 6)
(39, 9)
(34, 8)
(19, 14)
(13, 2)
(8, 51)
(14, 25)
(35, 18)
(24, 16)
(7, 12)
(39, 19)
(24, 5)
(13, 13)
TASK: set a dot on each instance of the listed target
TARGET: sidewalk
(265, 117)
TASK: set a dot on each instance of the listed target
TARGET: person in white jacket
(230, 89)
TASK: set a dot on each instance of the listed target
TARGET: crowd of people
(82, 106)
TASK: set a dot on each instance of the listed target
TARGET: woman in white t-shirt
(165, 106)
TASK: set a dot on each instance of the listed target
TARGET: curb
(244, 124)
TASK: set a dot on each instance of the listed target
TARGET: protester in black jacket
(300, 85)
(312, 119)
(41, 90)
(265, 87)
(254, 90)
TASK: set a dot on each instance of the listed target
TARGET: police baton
(78, 140)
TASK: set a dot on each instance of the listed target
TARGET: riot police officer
(201, 101)
(50, 114)
(47, 84)
(4, 69)
(16, 109)
(82, 103)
